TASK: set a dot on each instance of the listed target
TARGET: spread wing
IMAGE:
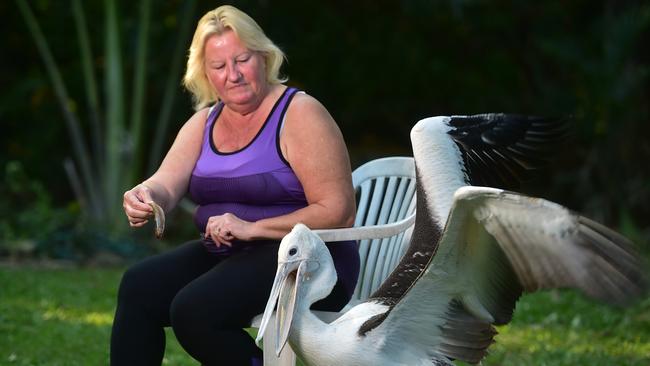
(495, 245)
(500, 149)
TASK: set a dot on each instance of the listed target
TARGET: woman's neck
(237, 127)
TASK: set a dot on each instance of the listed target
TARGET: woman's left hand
(223, 229)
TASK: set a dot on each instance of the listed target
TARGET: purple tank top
(256, 182)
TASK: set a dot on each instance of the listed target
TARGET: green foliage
(377, 66)
(99, 175)
(39, 229)
(23, 231)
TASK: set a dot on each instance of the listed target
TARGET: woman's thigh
(231, 293)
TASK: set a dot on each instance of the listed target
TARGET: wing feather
(512, 142)
(550, 246)
(497, 244)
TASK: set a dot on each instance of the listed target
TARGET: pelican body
(474, 251)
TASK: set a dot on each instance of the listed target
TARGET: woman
(262, 159)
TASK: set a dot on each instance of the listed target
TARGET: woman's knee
(206, 333)
(134, 284)
(192, 312)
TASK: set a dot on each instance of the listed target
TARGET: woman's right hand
(136, 205)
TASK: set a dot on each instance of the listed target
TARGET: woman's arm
(314, 147)
(169, 183)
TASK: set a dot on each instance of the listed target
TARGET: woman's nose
(233, 73)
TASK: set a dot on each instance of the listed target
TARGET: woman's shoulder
(200, 117)
(307, 118)
(203, 113)
(196, 123)
(304, 104)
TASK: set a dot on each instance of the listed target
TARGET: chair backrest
(385, 191)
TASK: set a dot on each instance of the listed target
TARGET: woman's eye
(243, 58)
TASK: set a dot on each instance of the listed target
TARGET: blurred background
(91, 100)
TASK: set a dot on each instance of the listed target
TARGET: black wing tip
(503, 149)
(508, 128)
(559, 125)
(514, 116)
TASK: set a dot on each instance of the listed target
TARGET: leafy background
(379, 66)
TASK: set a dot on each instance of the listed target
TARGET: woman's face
(235, 72)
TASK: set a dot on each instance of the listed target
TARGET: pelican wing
(497, 244)
(500, 149)
(509, 146)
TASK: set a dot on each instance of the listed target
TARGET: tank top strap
(279, 110)
(213, 113)
(278, 116)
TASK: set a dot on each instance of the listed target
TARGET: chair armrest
(366, 232)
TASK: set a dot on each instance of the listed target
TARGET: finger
(136, 220)
(215, 239)
(143, 193)
(220, 238)
(135, 213)
(206, 230)
(137, 223)
(132, 200)
(211, 226)
(225, 240)
(225, 237)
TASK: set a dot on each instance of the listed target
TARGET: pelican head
(305, 275)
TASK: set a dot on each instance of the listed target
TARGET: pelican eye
(293, 251)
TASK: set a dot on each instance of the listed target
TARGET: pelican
(474, 251)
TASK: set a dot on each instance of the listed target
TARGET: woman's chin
(241, 97)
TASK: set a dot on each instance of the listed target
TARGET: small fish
(159, 216)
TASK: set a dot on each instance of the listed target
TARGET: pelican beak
(285, 293)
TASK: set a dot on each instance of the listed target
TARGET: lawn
(63, 317)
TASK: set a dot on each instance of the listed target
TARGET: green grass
(564, 328)
(63, 317)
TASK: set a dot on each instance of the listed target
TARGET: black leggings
(206, 299)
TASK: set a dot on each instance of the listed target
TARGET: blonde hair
(217, 22)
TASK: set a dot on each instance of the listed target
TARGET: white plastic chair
(385, 191)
